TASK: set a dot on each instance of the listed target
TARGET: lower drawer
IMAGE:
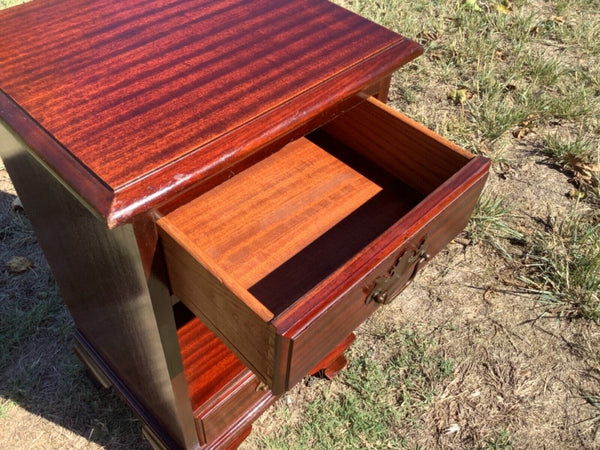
(223, 391)
(287, 258)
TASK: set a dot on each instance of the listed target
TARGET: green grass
(568, 152)
(580, 158)
(594, 402)
(491, 225)
(9, 3)
(372, 403)
(562, 265)
(5, 407)
(522, 65)
(522, 70)
(501, 442)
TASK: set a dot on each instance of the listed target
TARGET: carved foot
(335, 361)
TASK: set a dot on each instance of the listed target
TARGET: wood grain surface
(208, 364)
(256, 221)
(221, 388)
(413, 153)
(130, 102)
(315, 279)
(228, 310)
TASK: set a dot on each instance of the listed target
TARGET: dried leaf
(500, 54)
(18, 264)
(587, 173)
(459, 96)
(472, 5)
(581, 166)
(521, 132)
(428, 36)
(576, 194)
(435, 55)
(529, 120)
(505, 170)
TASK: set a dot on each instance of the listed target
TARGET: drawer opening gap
(208, 364)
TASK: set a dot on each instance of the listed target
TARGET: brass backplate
(399, 276)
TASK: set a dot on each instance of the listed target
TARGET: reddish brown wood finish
(131, 102)
(304, 306)
(317, 318)
(236, 442)
(273, 210)
(222, 389)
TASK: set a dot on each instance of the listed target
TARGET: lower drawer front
(287, 258)
(223, 392)
(232, 406)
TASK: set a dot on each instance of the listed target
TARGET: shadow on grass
(38, 369)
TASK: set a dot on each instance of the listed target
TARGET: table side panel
(103, 283)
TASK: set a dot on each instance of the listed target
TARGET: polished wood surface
(130, 102)
(439, 217)
(221, 388)
(317, 296)
(228, 309)
(117, 308)
(407, 149)
(253, 223)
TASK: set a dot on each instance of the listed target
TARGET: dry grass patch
(562, 265)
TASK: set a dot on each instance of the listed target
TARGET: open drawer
(284, 260)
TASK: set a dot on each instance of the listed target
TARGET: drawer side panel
(408, 150)
(248, 335)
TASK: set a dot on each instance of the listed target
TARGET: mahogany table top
(129, 102)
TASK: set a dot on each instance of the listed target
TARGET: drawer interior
(283, 225)
(366, 207)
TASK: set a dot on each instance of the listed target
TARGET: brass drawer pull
(387, 287)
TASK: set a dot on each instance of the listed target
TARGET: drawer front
(311, 339)
(231, 406)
